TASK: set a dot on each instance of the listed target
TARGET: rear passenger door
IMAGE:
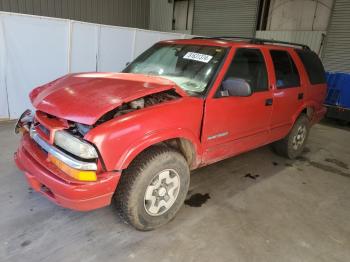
(288, 93)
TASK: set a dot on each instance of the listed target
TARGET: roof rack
(254, 40)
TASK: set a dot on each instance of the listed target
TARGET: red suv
(182, 104)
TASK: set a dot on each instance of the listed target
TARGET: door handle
(268, 102)
(300, 96)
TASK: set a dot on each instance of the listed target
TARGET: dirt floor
(254, 207)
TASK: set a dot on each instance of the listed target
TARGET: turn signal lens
(82, 175)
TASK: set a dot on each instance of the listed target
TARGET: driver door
(234, 124)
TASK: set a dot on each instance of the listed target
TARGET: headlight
(74, 145)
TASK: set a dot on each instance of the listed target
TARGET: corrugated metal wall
(336, 55)
(311, 38)
(131, 13)
(161, 15)
(300, 15)
(225, 17)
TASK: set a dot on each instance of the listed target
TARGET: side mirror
(235, 87)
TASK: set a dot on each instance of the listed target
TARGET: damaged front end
(70, 153)
(56, 152)
(63, 140)
(62, 166)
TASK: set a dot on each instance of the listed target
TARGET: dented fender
(122, 138)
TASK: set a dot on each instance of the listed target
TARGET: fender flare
(302, 108)
(156, 137)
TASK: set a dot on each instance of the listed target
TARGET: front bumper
(46, 178)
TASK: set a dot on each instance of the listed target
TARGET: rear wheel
(153, 188)
(293, 144)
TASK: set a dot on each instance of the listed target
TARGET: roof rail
(254, 40)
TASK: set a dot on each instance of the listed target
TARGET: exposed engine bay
(139, 103)
(144, 102)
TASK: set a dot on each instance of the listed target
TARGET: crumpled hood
(85, 97)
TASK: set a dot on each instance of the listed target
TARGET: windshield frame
(211, 80)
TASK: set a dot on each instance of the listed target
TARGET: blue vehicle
(338, 96)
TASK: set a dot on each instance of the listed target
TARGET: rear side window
(313, 66)
(286, 72)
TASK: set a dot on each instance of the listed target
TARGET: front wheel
(293, 144)
(153, 188)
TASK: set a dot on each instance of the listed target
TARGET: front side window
(191, 67)
(249, 64)
(286, 72)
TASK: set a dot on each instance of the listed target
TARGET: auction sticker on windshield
(198, 57)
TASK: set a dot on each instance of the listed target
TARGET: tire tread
(130, 175)
(282, 147)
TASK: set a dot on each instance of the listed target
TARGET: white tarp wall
(3, 93)
(35, 50)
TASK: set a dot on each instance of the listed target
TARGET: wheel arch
(183, 141)
(307, 109)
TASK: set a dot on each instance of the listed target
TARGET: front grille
(44, 130)
(38, 145)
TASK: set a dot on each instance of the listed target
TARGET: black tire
(286, 146)
(130, 193)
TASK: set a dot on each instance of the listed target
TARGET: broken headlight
(24, 122)
(74, 145)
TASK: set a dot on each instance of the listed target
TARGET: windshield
(191, 67)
